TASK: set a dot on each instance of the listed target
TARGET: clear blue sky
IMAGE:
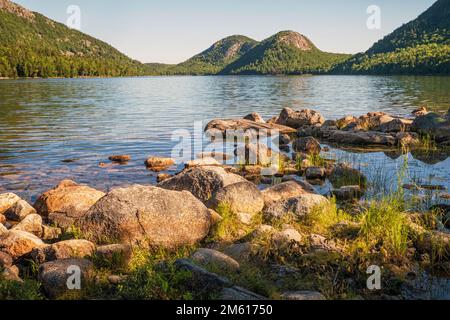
(171, 31)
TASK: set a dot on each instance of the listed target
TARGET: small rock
(116, 256)
(422, 111)
(203, 162)
(240, 251)
(285, 139)
(313, 173)
(162, 177)
(319, 243)
(5, 260)
(11, 273)
(346, 193)
(286, 237)
(31, 223)
(256, 117)
(120, 158)
(116, 280)
(207, 257)
(302, 295)
(50, 233)
(308, 145)
(215, 217)
(159, 163)
(7, 200)
(346, 122)
(19, 210)
(54, 275)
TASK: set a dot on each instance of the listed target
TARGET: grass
(27, 290)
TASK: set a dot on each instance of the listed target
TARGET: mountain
(287, 52)
(421, 46)
(32, 45)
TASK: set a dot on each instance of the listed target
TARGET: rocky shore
(217, 231)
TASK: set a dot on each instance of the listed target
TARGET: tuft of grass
(326, 215)
(385, 227)
(26, 290)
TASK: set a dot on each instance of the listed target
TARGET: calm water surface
(43, 122)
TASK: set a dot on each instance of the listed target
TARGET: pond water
(45, 122)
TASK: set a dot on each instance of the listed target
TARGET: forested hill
(286, 52)
(421, 46)
(32, 45)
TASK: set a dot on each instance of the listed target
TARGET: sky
(171, 31)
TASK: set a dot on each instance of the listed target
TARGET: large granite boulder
(434, 125)
(298, 207)
(202, 182)
(146, 215)
(67, 202)
(18, 243)
(298, 119)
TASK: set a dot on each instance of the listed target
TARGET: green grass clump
(26, 290)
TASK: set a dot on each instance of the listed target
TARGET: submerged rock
(298, 119)
(120, 158)
(159, 164)
(146, 215)
(67, 202)
(202, 182)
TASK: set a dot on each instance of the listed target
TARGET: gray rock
(201, 278)
(286, 190)
(308, 145)
(348, 193)
(302, 295)
(240, 251)
(298, 119)
(239, 294)
(299, 206)
(19, 210)
(313, 173)
(54, 276)
(242, 197)
(205, 257)
(434, 125)
(146, 215)
(202, 182)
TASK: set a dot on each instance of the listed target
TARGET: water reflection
(43, 122)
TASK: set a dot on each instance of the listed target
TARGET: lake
(45, 122)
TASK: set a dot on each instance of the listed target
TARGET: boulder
(203, 162)
(361, 138)
(159, 163)
(242, 197)
(18, 243)
(19, 210)
(67, 202)
(120, 158)
(209, 257)
(433, 125)
(308, 145)
(346, 193)
(115, 256)
(146, 215)
(64, 250)
(2, 229)
(345, 122)
(56, 275)
(224, 127)
(202, 182)
(407, 139)
(286, 190)
(302, 295)
(7, 200)
(298, 119)
(10, 273)
(313, 173)
(395, 125)
(373, 121)
(299, 206)
(254, 116)
(32, 224)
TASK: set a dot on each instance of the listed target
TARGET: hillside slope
(421, 46)
(32, 45)
(287, 52)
